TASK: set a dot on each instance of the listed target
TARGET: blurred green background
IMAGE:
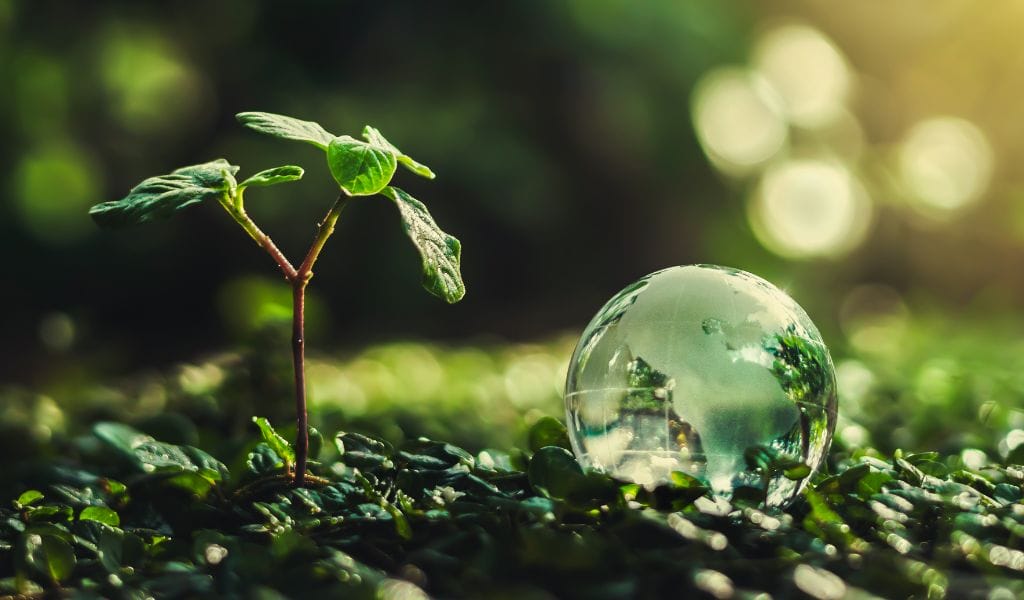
(863, 156)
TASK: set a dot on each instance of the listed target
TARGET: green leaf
(273, 176)
(28, 498)
(121, 437)
(180, 466)
(554, 472)
(363, 452)
(288, 128)
(872, 483)
(548, 431)
(195, 483)
(683, 480)
(263, 460)
(316, 443)
(361, 169)
(797, 472)
(110, 549)
(440, 252)
(162, 196)
(59, 513)
(374, 136)
(100, 514)
(49, 555)
(273, 439)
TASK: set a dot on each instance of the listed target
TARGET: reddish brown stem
(299, 361)
(298, 278)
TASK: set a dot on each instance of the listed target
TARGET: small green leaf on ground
(49, 555)
(164, 195)
(361, 169)
(548, 431)
(273, 176)
(316, 442)
(363, 452)
(120, 437)
(441, 253)
(797, 472)
(100, 514)
(374, 136)
(28, 498)
(554, 471)
(273, 439)
(288, 128)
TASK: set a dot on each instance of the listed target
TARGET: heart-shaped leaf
(374, 136)
(164, 195)
(288, 128)
(361, 169)
(273, 176)
(441, 252)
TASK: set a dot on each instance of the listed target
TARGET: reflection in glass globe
(706, 370)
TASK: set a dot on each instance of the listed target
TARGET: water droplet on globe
(706, 370)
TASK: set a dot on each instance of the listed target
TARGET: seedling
(360, 168)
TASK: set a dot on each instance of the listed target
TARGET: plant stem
(324, 231)
(298, 278)
(299, 282)
(299, 364)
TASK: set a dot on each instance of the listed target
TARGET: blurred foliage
(807, 145)
(934, 384)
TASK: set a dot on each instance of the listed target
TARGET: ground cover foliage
(183, 495)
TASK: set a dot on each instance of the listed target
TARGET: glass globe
(706, 370)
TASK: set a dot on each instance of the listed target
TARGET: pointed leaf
(374, 136)
(440, 252)
(273, 176)
(361, 169)
(273, 439)
(288, 128)
(162, 196)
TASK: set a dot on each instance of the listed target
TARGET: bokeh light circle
(54, 186)
(738, 120)
(807, 71)
(810, 208)
(945, 164)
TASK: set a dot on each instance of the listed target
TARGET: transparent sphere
(706, 370)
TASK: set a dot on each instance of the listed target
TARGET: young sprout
(360, 168)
